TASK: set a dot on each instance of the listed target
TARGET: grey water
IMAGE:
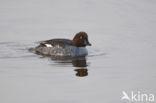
(122, 56)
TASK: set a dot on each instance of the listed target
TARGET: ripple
(96, 52)
(15, 50)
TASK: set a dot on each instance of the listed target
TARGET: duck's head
(81, 40)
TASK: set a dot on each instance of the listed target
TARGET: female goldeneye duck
(65, 47)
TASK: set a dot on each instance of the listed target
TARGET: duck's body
(65, 47)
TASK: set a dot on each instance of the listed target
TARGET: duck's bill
(89, 44)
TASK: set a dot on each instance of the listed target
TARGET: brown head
(81, 40)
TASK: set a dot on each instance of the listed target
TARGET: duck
(65, 47)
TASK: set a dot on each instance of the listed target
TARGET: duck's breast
(78, 51)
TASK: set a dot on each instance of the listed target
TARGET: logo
(137, 96)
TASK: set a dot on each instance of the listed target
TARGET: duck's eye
(80, 37)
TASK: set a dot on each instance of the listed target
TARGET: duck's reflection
(81, 72)
(79, 62)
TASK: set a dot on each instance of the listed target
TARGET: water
(122, 56)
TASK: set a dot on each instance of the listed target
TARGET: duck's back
(54, 42)
(54, 47)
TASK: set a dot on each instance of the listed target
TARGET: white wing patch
(48, 45)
